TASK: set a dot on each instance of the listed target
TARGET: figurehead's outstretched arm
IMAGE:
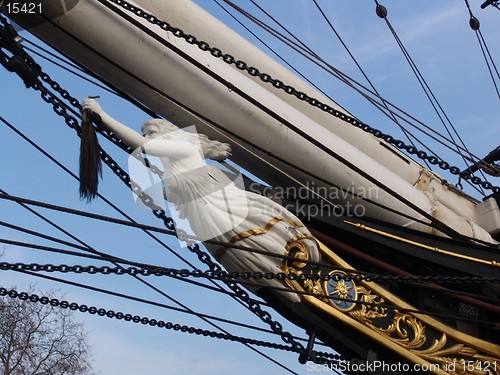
(155, 147)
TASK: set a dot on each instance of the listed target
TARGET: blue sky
(444, 48)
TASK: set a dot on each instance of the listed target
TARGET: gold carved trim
(488, 347)
(434, 249)
(263, 230)
(402, 332)
(297, 249)
(346, 319)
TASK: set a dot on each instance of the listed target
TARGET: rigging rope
(438, 109)
(313, 57)
(103, 257)
(154, 303)
(272, 50)
(474, 24)
(112, 259)
(149, 302)
(341, 76)
(67, 69)
(25, 201)
(384, 102)
(12, 293)
(223, 275)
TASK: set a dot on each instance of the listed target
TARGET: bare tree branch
(41, 339)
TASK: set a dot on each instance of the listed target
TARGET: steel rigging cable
(490, 63)
(313, 57)
(121, 260)
(245, 276)
(137, 319)
(381, 11)
(103, 256)
(384, 102)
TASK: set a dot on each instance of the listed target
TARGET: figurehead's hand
(92, 106)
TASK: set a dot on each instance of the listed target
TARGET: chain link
(140, 319)
(19, 61)
(231, 276)
(60, 109)
(267, 78)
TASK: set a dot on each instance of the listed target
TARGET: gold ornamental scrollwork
(402, 328)
(369, 308)
(297, 249)
(364, 303)
(406, 330)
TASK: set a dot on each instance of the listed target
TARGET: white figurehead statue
(214, 206)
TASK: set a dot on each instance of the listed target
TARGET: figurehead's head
(157, 127)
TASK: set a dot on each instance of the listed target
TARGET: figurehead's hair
(90, 162)
(212, 149)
